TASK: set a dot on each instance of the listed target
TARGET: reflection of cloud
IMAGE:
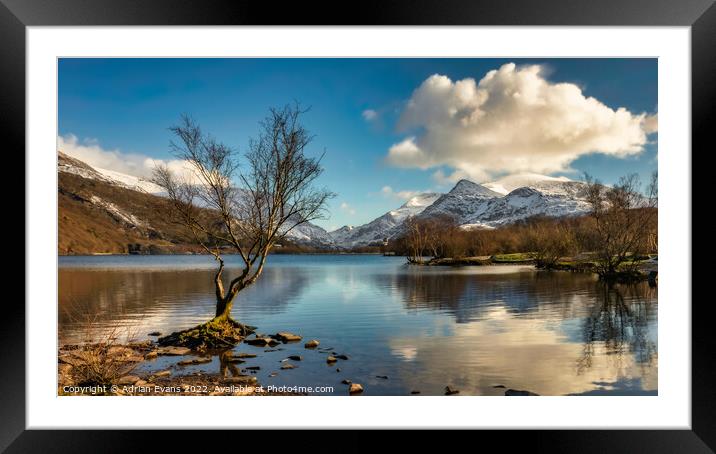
(518, 352)
(405, 353)
(551, 333)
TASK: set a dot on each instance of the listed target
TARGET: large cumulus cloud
(513, 120)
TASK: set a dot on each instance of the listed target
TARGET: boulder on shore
(241, 380)
(127, 380)
(173, 351)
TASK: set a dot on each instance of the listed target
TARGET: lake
(470, 328)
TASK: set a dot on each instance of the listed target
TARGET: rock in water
(346, 382)
(188, 362)
(331, 360)
(355, 388)
(154, 334)
(288, 337)
(296, 357)
(450, 391)
(261, 341)
(313, 343)
(288, 366)
(343, 357)
(519, 392)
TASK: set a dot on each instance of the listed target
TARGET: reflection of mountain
(467, 296)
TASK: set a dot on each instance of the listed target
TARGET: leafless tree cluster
(246, 209)
(430, 237)
(624, 221)
(620, 228)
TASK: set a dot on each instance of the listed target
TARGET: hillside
(95, 216)
(107, 212)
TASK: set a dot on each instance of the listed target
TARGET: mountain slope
(465, 201)
(102, 211)
(384, 226)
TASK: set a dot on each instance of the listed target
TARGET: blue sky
(360, 110)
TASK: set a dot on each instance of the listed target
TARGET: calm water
(424, 327)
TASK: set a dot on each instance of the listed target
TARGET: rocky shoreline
(108, 368)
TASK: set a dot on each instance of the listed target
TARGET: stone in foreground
(261, 341)
(127, 380)
(288, 337)
(355, 388)
(519, 392)
(331, 359)
(242, 380)
(313, 343)
(173, 351)
(450, 391)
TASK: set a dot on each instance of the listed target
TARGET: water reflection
(468, 294)
(134, 302)
(619, 323)
(424, 327)
(553, 333)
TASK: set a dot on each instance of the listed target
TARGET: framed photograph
(401, 219)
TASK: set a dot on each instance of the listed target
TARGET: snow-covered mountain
(306, 234)
(473, 205)
(66, 163)
(464, 202)
(384, 226)
(511, 199)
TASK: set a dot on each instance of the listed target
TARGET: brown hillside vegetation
(98, 217)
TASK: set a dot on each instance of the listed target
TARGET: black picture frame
(700, 15)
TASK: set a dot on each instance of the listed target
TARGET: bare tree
(416, 239)
(624, 219)
(245, 211)
(549, 240)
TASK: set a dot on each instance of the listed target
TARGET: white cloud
(138, 165)
(513, 120)
(347, 208)
(388, 191)
(369, 115)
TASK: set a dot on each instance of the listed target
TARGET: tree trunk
(223, 308)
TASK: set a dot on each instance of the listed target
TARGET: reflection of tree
(130, 295)
(226, 364)
(618, 321)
